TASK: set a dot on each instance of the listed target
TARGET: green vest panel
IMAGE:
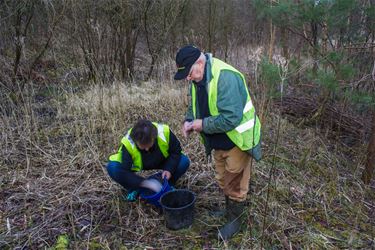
(247, 134)
(131, 147)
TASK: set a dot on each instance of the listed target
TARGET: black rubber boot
(217, 212)
(234, 217)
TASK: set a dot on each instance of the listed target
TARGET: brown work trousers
(233, 172)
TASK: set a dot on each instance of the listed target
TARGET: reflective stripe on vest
(247, 134)
(131, 147)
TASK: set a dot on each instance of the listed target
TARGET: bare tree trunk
(314, 38)
(227, 25)
(131, 40)
(272, 38)
(370, 162)
(284, 42)
(131, 31)
(272, 41)
(20, 34)
(211, 25)
(18, 44)
(324, 37)
(151, 69)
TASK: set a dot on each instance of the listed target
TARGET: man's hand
(166, 174)
(197, 125)
(187, 128)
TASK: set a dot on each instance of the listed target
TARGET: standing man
(222, 112)
(148, 145)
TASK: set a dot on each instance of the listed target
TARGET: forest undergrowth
(55, 191)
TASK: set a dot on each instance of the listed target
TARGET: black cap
(185, 58)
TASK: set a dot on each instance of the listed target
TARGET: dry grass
(54, 181)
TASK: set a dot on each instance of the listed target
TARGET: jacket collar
(208, 68)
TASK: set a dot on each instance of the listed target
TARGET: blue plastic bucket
(152, 197)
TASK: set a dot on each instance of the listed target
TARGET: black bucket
(178, 208)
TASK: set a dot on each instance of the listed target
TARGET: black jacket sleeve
(130, 180)
(171, 163)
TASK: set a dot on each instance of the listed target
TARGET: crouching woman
(148, 145)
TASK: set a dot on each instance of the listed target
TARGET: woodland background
(76, 74)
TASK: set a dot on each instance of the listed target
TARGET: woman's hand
(166, 174)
